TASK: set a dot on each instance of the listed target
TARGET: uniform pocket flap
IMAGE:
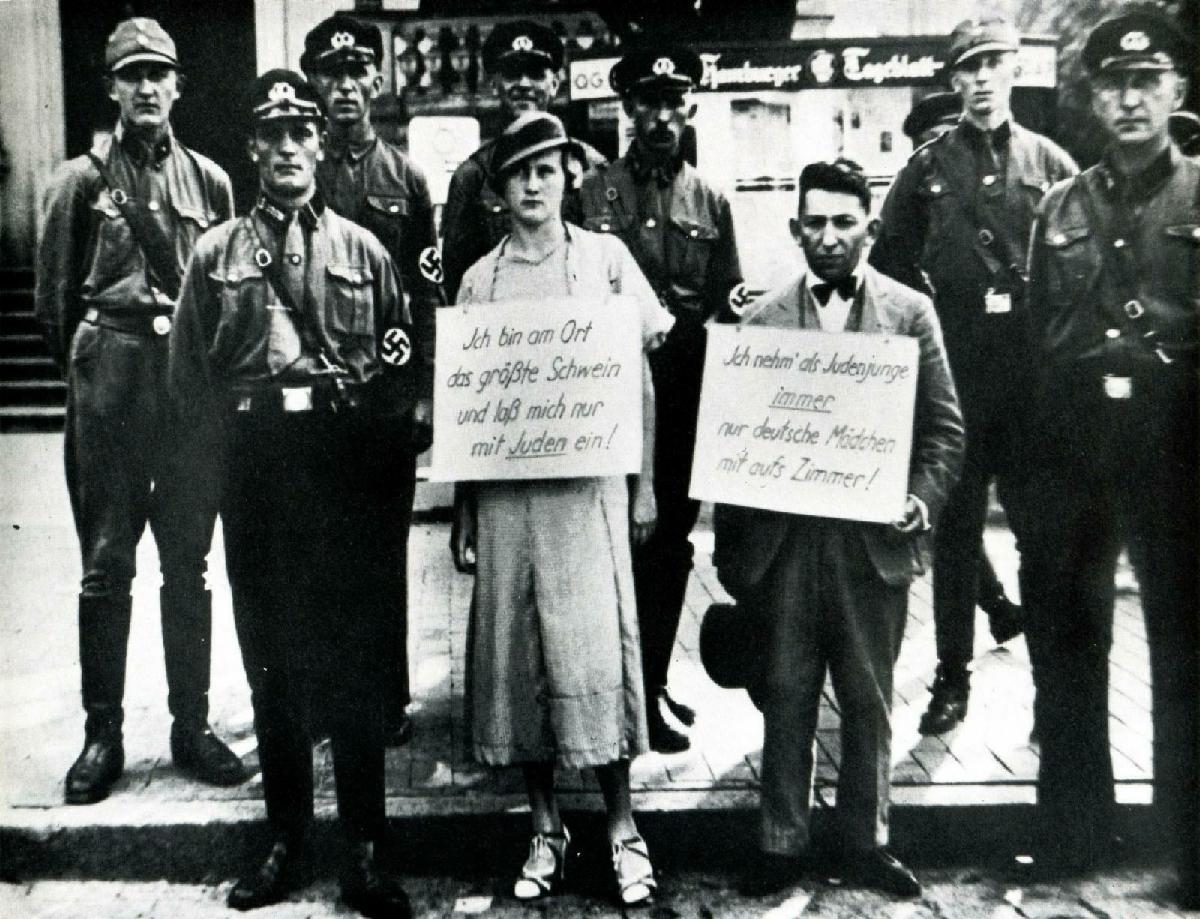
(934, 186)
(1185, 231)
(392, 205)
(695, 230)
(197, 215)
(236, 274)
(600, 224)
(1066, 236)
(356, 275)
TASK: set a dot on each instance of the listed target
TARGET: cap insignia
(1135, 41)
(522, 43)
(664, 66)
(342, 40)
(282, 92)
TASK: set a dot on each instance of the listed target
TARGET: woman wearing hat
(554, 669)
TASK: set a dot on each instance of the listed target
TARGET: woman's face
(534, 191)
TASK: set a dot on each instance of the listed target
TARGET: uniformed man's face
(1136, 105)
(985, 82)
(534, 192)
(525, 85)
(348, 89)
(145, 93)
(659, 116)
(287, 152)
(832, 229)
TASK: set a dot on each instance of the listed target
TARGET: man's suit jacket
(748, 539)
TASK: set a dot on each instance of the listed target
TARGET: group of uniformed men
(277, 368)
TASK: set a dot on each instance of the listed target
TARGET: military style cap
(137, 40)
(519, 40)
(1140, 37)
(341, 38)
(981, 36)
(280, 94)
(529, 135)
(933, 109)
(666, 66)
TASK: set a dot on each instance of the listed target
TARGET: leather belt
(146, 324)
(318, 396)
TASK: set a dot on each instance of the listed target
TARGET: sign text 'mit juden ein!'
(537, 389)
(806, 422)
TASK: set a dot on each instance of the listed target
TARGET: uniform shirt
(376, 186)
(475, 218)
(680, 234)
(352, 303)
(1078, 294)
(88, 257)
(956, 221)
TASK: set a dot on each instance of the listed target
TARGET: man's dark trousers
(662, 564)
(129, 463)
(308, 570)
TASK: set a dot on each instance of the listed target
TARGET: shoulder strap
(146, 233)
(270, 270)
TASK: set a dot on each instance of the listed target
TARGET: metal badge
(262, 258)
(294, 258)
(610, 193)
(119, 197)
(161, 325)
(986, 236)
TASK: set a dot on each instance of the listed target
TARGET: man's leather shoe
(1006, 620)
(398, 731)
(370, 891)
(197, 751)
(663, 737)
(947, 706)
(94, 771)
(270, 882)
(879, 869)
(771, 872)
(685, 713)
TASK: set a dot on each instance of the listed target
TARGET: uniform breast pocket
(1071, 259)
(114, 242)
(691, 246)
(348, 307)
(939, 206)
(385, 216)
(242, 295)
(1183, 251)
(191, 221)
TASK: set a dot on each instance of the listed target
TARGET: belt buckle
(297, 398)
(161, 325)
(245, 403)
(1118, 387)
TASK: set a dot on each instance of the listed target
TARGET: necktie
(283, 337)
(845, 288)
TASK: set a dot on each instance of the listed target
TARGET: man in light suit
(828, 594)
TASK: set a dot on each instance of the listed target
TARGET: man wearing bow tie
(831, 596)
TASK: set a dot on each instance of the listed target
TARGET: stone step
(33, 392)
(21, 419)
(33, 367)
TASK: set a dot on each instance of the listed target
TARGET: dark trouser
(399, 497)
(825, 609)
(662, 564)
(959, 567)
(129, 463)
(1132, 483)
(309, 568)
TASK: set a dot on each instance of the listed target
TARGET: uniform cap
(1140, 37)
(530, 134)
(665, 66)
(279, 94)
(341, 38)
(136, 40)
(522, 39)
(933, 109)
(972, 37)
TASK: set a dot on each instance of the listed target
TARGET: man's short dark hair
(842, 175)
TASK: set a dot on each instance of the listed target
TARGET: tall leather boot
(103, 641)
(187, 648)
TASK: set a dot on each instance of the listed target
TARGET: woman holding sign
(554, 669)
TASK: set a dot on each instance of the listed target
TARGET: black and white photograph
(582, 458)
